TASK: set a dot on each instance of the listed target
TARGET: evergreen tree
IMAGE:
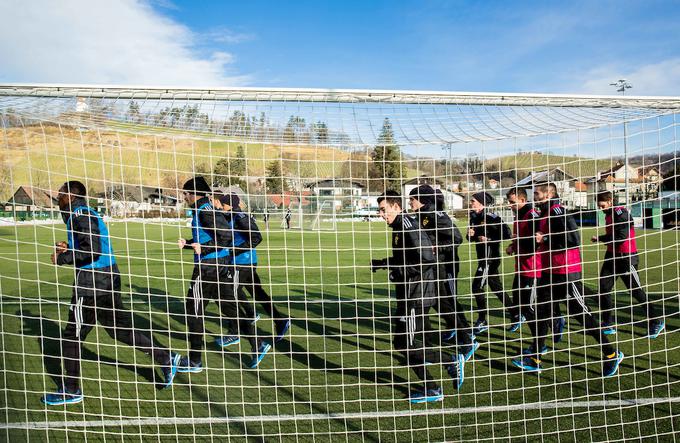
(387, 169)
(232, 171)
(275, 182)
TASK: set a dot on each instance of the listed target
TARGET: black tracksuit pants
(246, 277)
(625, 268)
(449, 308)
(214, 281)
(96, 298)
(488, 274)
(556, 288)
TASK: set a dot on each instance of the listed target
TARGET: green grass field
(335, 371)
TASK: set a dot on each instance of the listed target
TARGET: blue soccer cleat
(61, 397)
(656, 327)
(170, 371)
(527, 364)
(261, 352)
(227, 340)
(608, 329)
(457, 370)
(186, 365)
(471, 350)
(422, 396)
(530, 350)
(611, 364)
(516, 323)
(282, 327)
(558, 329)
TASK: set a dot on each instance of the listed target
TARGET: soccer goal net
(376, 265)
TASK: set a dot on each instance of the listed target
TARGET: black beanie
(484, 198)
(424, 194)
(197, 185)
(232, 200)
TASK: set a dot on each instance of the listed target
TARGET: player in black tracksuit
(212, 278)
(96, 294)
(445, 237)
(412, 268)
(246, 237)
(487, 230)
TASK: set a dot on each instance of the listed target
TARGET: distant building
(30, 198)
(136, 200)
(339, 192)
(573, 193)
(637, 184)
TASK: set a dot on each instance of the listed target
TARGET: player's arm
(215, 224)
(248, 228)
(558, 229)
(85, 229)
(417, 241)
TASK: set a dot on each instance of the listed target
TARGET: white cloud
(662, 78)
(105, 42)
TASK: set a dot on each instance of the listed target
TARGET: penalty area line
(174, 421)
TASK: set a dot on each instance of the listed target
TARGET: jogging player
(487, 230)
(246, 237)
(621, 260)
(96, 294)
(412, 268)
(212, 278)
(428, 205)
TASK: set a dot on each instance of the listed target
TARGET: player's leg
(419, 354)
(578, 308)
(117, 321)
(194, 307)
(281, 321)
(496, 285)
(479, 283)
(243, 281)
(81, 320)
(607, 280)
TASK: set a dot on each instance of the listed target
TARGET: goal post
(310, 169)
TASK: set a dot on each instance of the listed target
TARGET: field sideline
(334, 377)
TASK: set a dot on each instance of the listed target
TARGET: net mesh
(308, 166)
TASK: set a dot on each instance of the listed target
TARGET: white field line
(173, 421)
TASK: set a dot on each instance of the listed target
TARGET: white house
(573, 193)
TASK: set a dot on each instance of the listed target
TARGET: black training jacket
(491, 226)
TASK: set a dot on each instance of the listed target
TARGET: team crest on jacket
(426, 220)
(396, 239)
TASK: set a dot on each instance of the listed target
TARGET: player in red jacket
(621, 260)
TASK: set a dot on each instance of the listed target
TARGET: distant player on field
(96, 294)
(621, 260)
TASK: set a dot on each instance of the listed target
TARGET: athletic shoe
(185, 365)
(227, 340)
(517, 321)
(608, 328)
(457, 370)
(261, 352)
(170, 371)
(422, 396)
(558, 329)
(611, 364)
(656, 327)
(480, 326)
(531, 351)
(62, 397)
(471, 350)
(449, 335)
(527, 364)
(257, 317)
(282, 327)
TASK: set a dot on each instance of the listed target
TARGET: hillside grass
(337, 358)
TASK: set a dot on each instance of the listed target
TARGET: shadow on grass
(48, 335)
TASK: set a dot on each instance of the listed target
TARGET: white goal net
(325, 297)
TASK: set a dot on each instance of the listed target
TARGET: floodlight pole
(621, 85)
(449, 179)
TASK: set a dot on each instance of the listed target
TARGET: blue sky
(579, 47)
